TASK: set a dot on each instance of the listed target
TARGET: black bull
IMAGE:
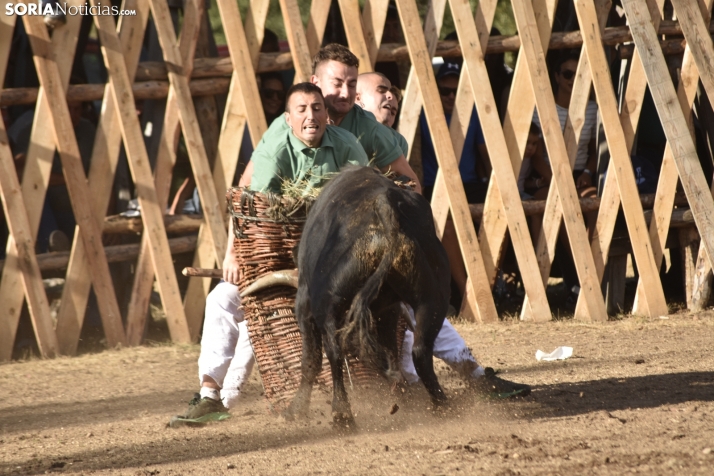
(366, 245)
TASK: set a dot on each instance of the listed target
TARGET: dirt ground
(637, 396)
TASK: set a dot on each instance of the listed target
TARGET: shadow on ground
(611, 394)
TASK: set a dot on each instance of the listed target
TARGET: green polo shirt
(401, 141)
(379, 141)
(284, 156)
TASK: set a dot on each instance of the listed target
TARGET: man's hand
(584, 181)
(231, 270)
(402, 167)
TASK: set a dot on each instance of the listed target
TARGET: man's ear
(287, 119)
(315, 80)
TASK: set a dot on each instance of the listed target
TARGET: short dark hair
(302, 88)
(334, 52)
(534, 130)
(565, 56)
(271, 44)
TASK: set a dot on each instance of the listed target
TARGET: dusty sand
(637, 396)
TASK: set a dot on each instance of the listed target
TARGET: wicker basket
(267, 228)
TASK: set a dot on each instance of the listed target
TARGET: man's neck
(312, 146)
(562, 99)
(334, 119)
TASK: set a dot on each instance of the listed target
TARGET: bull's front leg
(311, 362)
(427, 328)
(341, 409)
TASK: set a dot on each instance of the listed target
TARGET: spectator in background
(272, 95)
(584, 168)
(586, 158)
(474, 168)
(392, 34)
(57, 223)
(500, 75)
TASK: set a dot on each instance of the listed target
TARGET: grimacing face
(374, 96)
(338, 83)
(307, 117)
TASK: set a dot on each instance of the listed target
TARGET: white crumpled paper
(561, 353)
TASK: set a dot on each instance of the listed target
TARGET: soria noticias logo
(61, 8)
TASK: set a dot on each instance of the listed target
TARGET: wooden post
(515, 128)
(374, 16)
(352, 21)
(562, 175)
(76, 181)
(166, 158)
(424, 75)
(35, 178)
(412, 100)
(496, 143)
(620, 163)
(702, 51)
(546, 242)
(102, 168)
(673, 122)
(668, 178)
(460, 119)
(319, 11)
(141, 172)
(22, 236)
(297, 40)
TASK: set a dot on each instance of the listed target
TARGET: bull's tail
(359, 332)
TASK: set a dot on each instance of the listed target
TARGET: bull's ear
(295, 254)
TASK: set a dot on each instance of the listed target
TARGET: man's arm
(231, 271)
(402, 167)
(247, 175)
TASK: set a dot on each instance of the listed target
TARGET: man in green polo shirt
(335, 73)
(376, 95)
(309, 149)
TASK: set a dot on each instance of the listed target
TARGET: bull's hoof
(294, 412)
(343, 420)
(439, 398)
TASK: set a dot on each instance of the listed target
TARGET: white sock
(212, 393)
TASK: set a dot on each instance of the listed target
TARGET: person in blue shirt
(475, 167)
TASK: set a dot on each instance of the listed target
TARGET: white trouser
(226, 354)
(449, 347)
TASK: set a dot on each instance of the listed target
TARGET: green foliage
(274, 21)
(503, 20)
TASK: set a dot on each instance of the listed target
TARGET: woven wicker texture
(267, 228)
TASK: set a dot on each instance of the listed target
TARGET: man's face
(373, 95)
(394, 107)
(531, 145)
(339, 86)
(447, 90)
(307, 117)
(566, 76)
(273, 95)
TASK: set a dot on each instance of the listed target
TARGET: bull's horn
(284, 277)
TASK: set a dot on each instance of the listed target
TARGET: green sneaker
(200, 411)
(496, 387)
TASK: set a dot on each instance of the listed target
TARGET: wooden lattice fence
(180, 77)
